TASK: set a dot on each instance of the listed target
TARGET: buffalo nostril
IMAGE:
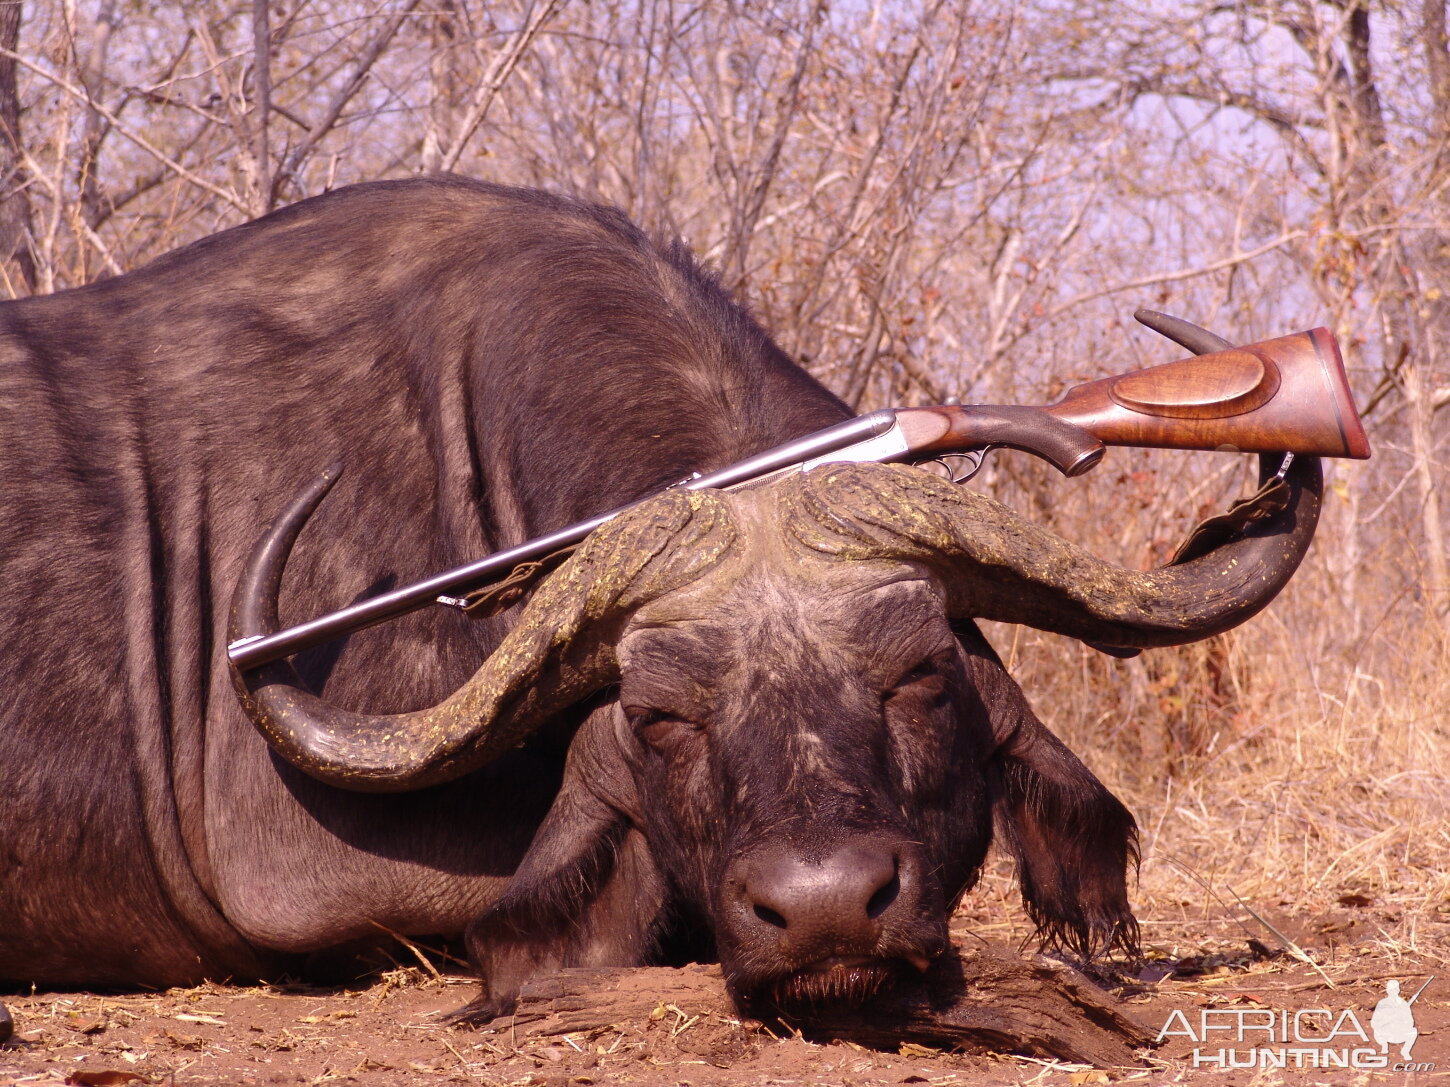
(839, 899)
(769, 916)
(886, 894)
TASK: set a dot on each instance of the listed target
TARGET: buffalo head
(801, 765)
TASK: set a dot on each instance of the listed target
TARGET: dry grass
(1314, 786)
(1302, 758)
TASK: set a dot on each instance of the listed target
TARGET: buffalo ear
(587, 893)
(1073, 841)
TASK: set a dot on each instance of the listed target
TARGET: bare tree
(15, 257)
(922, 199)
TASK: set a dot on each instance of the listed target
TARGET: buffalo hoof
(7, 1025)
(479, 1012)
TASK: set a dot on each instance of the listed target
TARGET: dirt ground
(1227, 989)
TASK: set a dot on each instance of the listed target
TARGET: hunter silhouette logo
(1240, 1037)
(1393, 1023)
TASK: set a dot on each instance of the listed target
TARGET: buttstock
(1286, 395)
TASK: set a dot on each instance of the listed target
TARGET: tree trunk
(92, 75)
(980, 1002)
(263, 195)
(444, 82)
(15, 257)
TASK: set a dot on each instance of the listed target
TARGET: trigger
(961, 467)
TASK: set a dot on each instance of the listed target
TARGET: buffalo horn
(995, 564)
(560, 651)
(1185, 334)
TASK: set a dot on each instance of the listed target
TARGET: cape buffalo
(756, 725)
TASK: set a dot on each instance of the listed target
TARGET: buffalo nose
(831, 904)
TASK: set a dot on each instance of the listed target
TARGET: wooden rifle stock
(1287, 395)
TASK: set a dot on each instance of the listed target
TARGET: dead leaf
(103, 1077)
(84, 1024)
(1094, 1075)
(1261, 951)
(1246, 998)
(1155, 972)
(911, 1049)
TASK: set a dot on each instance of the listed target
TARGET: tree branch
(497, 75)
(370, 54)
(262, 85)
(14, 193)
(81, 95)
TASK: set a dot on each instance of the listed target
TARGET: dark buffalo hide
(802, 779)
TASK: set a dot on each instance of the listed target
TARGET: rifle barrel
(248, 653)
(1420, 990)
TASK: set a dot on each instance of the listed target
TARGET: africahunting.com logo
(1303, 1038)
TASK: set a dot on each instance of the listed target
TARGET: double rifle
(1287, 395)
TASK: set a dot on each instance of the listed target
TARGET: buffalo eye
(656, 727)
(925, 681)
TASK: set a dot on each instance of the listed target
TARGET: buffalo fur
(491, 364)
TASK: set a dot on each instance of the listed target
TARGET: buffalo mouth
(829, 983)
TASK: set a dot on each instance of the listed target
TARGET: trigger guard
(974, 459)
